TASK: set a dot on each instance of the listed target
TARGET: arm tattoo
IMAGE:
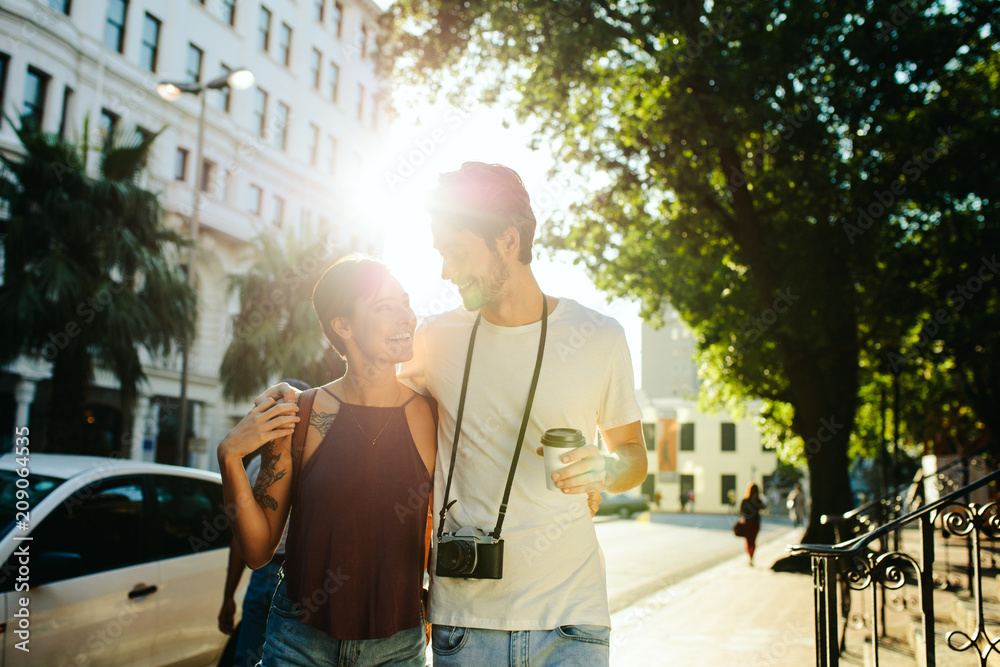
(322, 421)
(266, 477)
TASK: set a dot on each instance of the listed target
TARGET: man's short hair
(338, 290)
(485, 199)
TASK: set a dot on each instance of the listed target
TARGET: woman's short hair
(485, 199)
(338, 290)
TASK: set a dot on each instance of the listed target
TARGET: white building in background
(715, 455)
(285, 152)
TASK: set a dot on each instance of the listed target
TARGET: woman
(357, 474)
(750, 515)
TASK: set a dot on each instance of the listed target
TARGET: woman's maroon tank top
(355, 551)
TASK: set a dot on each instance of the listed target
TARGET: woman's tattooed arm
(267, 476)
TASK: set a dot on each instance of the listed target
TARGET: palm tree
(87, 276)
(276, 333)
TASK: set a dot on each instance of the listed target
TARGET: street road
(656, 550)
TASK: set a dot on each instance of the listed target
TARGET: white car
(110, 562)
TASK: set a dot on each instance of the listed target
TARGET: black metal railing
(867, 562)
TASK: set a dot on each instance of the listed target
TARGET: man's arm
(234, 572)
(626, 467)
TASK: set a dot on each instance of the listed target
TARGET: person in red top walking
(750, 514)
(353, 484)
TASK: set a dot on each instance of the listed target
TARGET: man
(551, 604)
(550, 607)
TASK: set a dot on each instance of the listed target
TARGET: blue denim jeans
(292, 643)
(256, 605)
(565, 646)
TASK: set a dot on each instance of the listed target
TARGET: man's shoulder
(577, 315)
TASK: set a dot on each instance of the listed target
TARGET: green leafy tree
(775, 170)
(88, 276)
(276, 333)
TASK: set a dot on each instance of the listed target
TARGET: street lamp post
(239, 79)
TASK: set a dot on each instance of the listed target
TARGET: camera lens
(458, 556)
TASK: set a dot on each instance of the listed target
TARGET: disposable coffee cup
(555, 443)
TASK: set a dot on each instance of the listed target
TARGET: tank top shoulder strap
(407, 401)
(306, 399)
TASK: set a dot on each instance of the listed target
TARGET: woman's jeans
(290, 642)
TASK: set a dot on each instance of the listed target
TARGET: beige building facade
(286, 152)
(713, 456)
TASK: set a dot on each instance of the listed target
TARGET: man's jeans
(292, 642)
(566, 646)
(256, 605)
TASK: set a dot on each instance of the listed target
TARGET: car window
(34, 488)
(191, 516)
(98, 528)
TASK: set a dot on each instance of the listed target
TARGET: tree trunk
(70, 378)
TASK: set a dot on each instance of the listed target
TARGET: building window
(194, 58)
(728, 437)
(687, 437)
(144, 135)
(114, 29)
(334, 81)
(319, 9)
(223, 96)
(729, 490)
(150, 42)
(227, 11)
(278, 212)
(35, 88)
(67, 112)
(4, 65)
(281, 114)
(209, 171)
(108, 123)
(181, 164)
(285, 44)
(649, 435)
(254, 199)
(314, 144)
(331, 143)
(60, 6)
(337, 19)
(260, 112)
(316, 68)
(264, 29)
(361, 102)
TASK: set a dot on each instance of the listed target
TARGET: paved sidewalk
(731, 614)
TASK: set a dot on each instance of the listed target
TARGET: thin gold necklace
(384, 426)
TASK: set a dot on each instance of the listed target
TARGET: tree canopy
(276, 334)
(89, 271)
(805, 182)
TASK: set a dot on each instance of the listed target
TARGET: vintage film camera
(469, 553)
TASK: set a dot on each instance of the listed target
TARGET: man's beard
(489, 288)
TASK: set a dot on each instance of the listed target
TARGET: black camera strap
(524, 423)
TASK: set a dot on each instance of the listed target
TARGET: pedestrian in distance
(263, 581)
(796, 505)
(544, 596)
(750, 508)
(348, 466)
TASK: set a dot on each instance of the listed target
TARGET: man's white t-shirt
(553, 571)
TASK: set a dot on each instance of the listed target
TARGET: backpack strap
(305, 403)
